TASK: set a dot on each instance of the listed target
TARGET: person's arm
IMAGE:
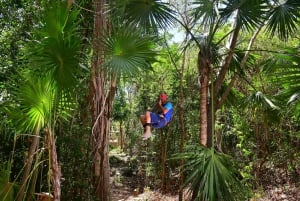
(161, 108)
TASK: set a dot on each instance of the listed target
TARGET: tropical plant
(44, 94)
(217, 50)
(288, 78)
(214, 173)
(248, 16)
(7, 188)
(127, 49)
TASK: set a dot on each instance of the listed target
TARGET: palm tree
(263, 113)
(214, 173)
(288, 77)
(244, 16)
(214, 69)
(35, 98)
(45, 96)
(121, 44)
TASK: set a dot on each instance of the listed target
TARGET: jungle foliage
(233, 78)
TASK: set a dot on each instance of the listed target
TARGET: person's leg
(143, 119)
(146, 120)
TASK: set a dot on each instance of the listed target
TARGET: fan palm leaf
(249, 13)
(284, 18)
(147, 14)
(215, 173)
(127, 51)
(35, 102)
(287, 74)
(39, 102)
(56, 51)
(205, 11)
(261, 104)
(289, 77)
(260, 100)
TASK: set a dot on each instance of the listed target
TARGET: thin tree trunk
(55, 170)
(203, 73)
(224, 68)
(163, 161)
(28, 164)
(203, 70)
(181, 120)
(33, 180)
(242, 65)
(121, 135)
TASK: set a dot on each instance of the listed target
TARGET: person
(159, 119)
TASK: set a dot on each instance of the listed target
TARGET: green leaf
(283, 19)
(205, 11)
(128, 52)
(149, 15)
(249, 13)
(56, 48)
(215, 173)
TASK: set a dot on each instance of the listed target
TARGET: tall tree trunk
(203, 70)
(203, 73)
(121, 135)
(102, 90)
(55, 170)
(163, 158)
(181, 120)
(33, 180)
(28, 163)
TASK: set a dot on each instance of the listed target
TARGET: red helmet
(163, 97)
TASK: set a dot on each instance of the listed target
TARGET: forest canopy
(76, 75)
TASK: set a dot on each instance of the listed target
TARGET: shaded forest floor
(129, 185)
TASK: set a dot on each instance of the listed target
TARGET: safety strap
(146, 124)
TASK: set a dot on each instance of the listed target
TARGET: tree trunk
(163, 158)
(55, 171)
(28, 163)
(181, 120)
(121, 135)
(203, 70)
(102, 91)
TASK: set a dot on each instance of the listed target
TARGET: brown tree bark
(181, 120)
(121, 135)
(102, 90)
(55, 170)
(28, 163)
(163, 158)
(204, 71)
(203, 74)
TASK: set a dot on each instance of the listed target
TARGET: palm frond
(249, 13)
(262, 106)
(150, 15)
(57, 46)
(38, 102)
(128, 51)
(235, 66)
(35, 99)
(260, 100)
(204, 11)
(288, 71)
(283, 19)
(214, 172)
(287, 74)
